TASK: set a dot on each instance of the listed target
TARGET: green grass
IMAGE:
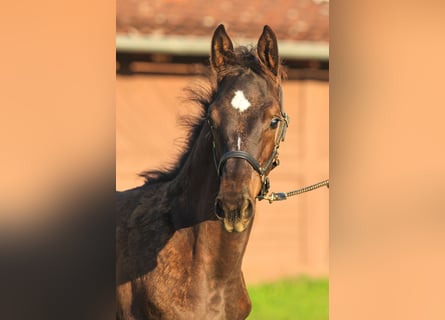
(292, 299)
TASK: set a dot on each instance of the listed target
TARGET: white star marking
(240, 102)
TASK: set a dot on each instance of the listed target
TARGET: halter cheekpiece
(270, 164)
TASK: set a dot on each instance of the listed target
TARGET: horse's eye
(274, 123)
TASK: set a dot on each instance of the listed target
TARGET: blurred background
(162, 47)
(57, 137)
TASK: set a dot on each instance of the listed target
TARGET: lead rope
(278, 196)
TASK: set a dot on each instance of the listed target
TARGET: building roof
(297, 20)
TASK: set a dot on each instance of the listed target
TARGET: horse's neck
(196, 188)
(219, 252)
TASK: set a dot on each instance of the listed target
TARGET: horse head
(247, 122)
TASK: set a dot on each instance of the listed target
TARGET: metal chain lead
(278, 196)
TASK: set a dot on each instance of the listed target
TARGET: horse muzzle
(235, 210)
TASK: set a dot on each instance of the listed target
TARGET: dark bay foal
(181, 236)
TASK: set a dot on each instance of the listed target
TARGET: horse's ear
(268, 49)
(222, 49)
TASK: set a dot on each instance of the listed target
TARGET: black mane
(202, 94)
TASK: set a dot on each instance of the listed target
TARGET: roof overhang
(200, 46)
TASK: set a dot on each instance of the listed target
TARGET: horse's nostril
(248, 211)
(219, 211)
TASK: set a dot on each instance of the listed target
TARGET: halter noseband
(271, 163)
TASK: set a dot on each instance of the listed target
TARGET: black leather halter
(271, 163)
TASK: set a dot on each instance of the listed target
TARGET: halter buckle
(275, 162)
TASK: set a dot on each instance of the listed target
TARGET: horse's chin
(237, 226)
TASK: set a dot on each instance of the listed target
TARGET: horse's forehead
(243, 93)
(249, 84)
(243, 101)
